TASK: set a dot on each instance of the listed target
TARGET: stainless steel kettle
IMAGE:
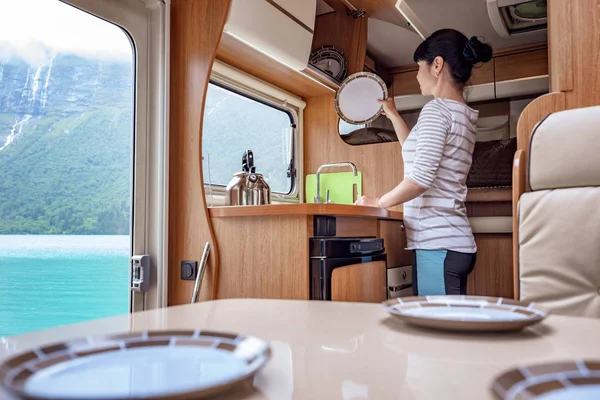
(247, 188)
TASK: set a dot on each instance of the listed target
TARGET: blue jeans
(441, 272)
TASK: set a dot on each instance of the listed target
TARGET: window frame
(146, 23)
(255, 89)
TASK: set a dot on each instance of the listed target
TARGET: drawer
(399, 281)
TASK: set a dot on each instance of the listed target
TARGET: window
(236, 121)
(80, 159)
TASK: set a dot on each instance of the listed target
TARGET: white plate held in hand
(356, 99)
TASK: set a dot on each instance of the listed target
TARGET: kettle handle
(245, 162)
(250, 157)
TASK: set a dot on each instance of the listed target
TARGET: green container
(341, 185)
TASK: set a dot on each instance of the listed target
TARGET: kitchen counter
(332, 350)
(264, 251)
(335, 210)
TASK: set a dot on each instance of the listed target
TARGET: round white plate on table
(465, 313)
(356, 99)
(147, 365)
(571, 380)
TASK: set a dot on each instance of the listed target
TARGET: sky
(25, 24)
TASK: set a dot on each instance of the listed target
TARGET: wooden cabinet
(493, 273)
(394, 240)
(521, 65)
(483, 73)
(499, 70)
(405, 83)
(360, 283)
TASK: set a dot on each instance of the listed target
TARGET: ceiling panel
(395, 45)
(470, 17)
(391, 44)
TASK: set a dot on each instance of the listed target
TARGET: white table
(332, 350)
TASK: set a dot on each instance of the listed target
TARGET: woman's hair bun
(475, 51)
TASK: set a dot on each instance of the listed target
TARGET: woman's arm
(405, 191)
(400, 127)
(434, 127)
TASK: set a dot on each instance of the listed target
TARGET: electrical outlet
(189, 269)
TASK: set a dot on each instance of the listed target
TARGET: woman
(437, 155)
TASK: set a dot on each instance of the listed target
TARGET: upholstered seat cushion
(559, 221)
(559, 250)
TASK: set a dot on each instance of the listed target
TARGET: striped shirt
(437, 156)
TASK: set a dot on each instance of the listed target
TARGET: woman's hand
(400, 127)
(389, 108)
(367, 202)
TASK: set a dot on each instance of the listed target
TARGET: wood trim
(360, 283)
(335, 210)
(520, 49)
(519, 177)
(534, 113)
(560, 50)
(488, 195)
(196, 28)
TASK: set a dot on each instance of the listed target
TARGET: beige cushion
(565, 149)
(559, 222)
(559, 250)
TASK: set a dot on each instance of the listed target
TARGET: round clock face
(330, 60)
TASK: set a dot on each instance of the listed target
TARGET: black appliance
(329, 253)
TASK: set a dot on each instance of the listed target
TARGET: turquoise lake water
(47, 281)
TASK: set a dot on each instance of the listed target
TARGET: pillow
(492, 163)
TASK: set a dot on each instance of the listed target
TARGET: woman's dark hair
(457, 51)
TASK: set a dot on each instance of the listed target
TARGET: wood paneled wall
(380, 164)
(196, 28)
(574, 53)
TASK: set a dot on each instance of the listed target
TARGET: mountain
(65, 144)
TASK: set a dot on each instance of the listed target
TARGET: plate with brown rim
(356, 99)
(145, 365)
(465, 313)
(570, 380)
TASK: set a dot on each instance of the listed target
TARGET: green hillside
(67, 170)
(66, 144)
